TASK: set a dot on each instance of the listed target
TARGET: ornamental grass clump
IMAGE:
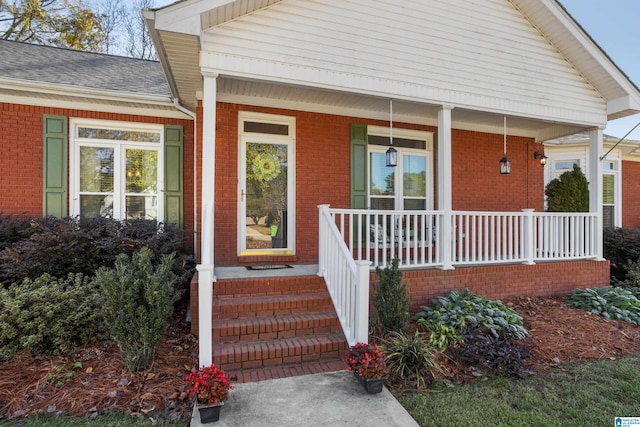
(366, 361)
(410, 357)
(209, 385)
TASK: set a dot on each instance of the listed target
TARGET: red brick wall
(21, 161)
(477, 182)
(630, 194)
(507, 281)
(322, 175)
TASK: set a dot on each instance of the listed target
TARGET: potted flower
(367, 363)
(210, 387)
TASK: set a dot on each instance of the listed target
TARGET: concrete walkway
(329, 399)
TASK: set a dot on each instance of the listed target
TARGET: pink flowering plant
(366, 361)
(209, 385)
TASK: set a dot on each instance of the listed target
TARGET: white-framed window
(116, 169)
(414, 191)
(611, 201)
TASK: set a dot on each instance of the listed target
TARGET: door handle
(242, 194)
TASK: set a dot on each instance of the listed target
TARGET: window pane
(607, 216)
(96, 205)
(382, 177)
(118, 134)
(398, 142)
(96, 169)
(141, 207)
(415, 204)
(415, 176)
(268, 128)
(608, 166)
(608, 189)
(382, 203)
(566, 164)
(142, 171)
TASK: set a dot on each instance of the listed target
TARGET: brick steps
(271, 305)
(275, 327)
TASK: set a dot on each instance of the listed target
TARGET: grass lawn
(108, 420)
(585, 394)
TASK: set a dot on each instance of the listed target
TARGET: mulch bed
(32, 384)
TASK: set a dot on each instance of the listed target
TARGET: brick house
(288, 110)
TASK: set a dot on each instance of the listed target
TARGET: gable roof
(50, 76)
(253, 47)
(57, 66)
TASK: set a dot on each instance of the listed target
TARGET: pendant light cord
(390, 122)
(505, 136)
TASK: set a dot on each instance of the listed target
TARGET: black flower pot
(210, 413)
(371, 385)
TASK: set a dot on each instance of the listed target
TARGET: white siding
(484, 55)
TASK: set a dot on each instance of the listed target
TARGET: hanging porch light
(505, 163)
(392, 154)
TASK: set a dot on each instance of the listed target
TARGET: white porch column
(205, 268)
(444, 185)
(595, 187)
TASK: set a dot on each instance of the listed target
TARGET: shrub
(62, 246)
(498, 355)
(609, 302)
(568, 193)
(410, 357)
(461, 309)
(621, 245)
(13, 229)
(139, 299)
(391, 299)
(441, 336)
(49, 315)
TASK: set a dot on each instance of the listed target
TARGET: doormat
(268, 267)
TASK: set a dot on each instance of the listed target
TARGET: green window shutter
(173, 186)
(54, 174)
(358, 166)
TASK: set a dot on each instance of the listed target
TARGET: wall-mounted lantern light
(543, 159)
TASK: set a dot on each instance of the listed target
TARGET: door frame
(245, 137)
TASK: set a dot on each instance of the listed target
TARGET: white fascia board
(595, 51)
(83, 104)
(69, 90)
(626, 104)
(184, 17)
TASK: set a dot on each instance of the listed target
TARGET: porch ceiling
(373, 107)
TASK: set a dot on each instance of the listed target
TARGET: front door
(267, 215)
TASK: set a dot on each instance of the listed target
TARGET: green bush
(139, 298)
(461, 309)
(49, 315)
(62, 246)
(410, 357)
(621, 245)
(568, 193)
(496, 355)
(441, 336)
(609, 302)
(391, 299)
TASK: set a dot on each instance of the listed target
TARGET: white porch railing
(477, 238)
(346, 279)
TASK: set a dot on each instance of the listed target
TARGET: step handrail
(347, 280)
